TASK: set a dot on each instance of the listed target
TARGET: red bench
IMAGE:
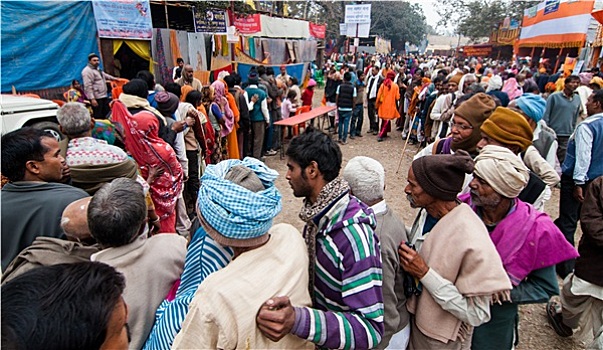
(307, 116)
(302, 118)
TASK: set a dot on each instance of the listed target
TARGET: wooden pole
(231, 16)
(532, 53)
(167, 20)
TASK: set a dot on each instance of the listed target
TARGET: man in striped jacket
(345, 262)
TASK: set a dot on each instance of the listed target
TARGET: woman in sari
(220, 109)
(150, 151)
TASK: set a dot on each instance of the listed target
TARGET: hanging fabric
(225, 45)
(164, 76)
(141, 48)
(174, 46)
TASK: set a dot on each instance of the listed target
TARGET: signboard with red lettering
(248, 25)
(318, 30)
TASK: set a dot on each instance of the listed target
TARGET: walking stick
(412, 121)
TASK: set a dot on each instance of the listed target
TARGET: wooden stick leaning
(406, 142)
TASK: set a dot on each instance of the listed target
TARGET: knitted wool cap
(532, 105)
(167, 102)
(476, 109)
(253, 77)
(508, 127)
(442, 175)
(456, 78)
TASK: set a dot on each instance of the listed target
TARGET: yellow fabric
(142, 48)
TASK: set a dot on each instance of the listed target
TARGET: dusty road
(534, 333)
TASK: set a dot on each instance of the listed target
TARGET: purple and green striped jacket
(348, 300)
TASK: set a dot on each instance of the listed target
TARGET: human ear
(32, 167)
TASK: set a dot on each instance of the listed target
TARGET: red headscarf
(389, 79)
(141, 132)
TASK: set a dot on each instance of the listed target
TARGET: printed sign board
(358, 13)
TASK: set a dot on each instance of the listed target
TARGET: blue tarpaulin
(294, 70)
(45, 44)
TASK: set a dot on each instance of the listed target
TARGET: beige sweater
(222, 314)
(150, 266)
(460, 250)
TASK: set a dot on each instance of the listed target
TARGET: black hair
(347, 76)
(179, 59)
(269, 71)
(261, 70)
(19, 147)
(291, 94)
(174, 88)
(230, 81)
(136, 87)
(315, 145)
(64, 306)
(237, 78)
(294, 80)
(571, 78)
(597, 97)
(194, 97)
(437, 80)
(148, 78)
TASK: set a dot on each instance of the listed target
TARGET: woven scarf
(327, 195)
(235, 211)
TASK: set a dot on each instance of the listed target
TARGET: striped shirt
(348, 309)
(204, 257)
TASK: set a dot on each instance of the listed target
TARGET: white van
(19, 111)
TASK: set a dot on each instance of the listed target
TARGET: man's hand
(275, 318)
(579, 194)
(255, 98)
(94, 103)
(178, 126)
(65, 173)
(411, 261)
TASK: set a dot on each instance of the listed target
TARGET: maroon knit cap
(442, 175)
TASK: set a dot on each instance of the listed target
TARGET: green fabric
(498, 333)
(538, 287)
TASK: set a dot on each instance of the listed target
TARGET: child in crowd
(288, 108)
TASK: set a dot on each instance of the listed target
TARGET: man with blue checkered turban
(532, 107)
(237, 203)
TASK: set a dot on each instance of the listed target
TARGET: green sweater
(32, 209)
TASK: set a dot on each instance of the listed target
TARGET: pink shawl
(228, 115)
(527, 240)
(512, 89)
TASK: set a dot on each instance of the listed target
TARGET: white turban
(502, 170)
(494, 83)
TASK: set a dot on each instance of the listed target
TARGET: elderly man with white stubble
(366, 178)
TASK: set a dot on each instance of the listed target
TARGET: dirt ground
(534, 333)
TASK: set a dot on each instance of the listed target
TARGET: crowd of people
(150, 226)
